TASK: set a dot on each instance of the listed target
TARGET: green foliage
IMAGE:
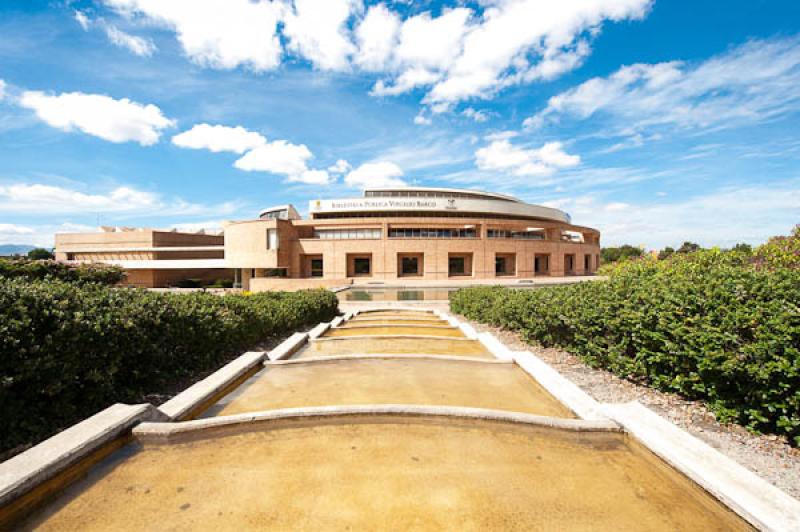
(68, 350)
(780, 252)
(222, 283)
(665, 253)
(626, 251)
(188, 283)
(48, 269)
(707, 325)
(40, 254)
(743, 248)
(688, 247)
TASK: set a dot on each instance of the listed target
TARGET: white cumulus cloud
(284, 158)
(422, 120)
(459, 53)
(82, 19)
(501, 155)
(377, 174)
(137, 45)
(217, 33)
(340, 167)
(218, 138)
(722, 217)
(2, 89)
(99, 115)
(26, 198)
(526, 40)
(376, 36)
(478, 116)
(12, 229)
(317, 30)
(750, 83)
(140, 46)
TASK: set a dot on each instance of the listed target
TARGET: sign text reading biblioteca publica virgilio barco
(393, 204)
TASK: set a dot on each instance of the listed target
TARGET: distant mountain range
(14, 249)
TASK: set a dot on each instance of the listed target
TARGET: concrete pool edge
(384, 356)
(200, 393)
(763, 505)
(564, 390)
(30, 469)
(166, 432)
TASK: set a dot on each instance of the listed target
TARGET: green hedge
(49, 269)
(69, 350)
(707, 325)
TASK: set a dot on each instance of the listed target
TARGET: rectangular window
(569, 263)
(432, 233)
(500, 265)
(272, 239)
(456, 266)
(541, 264)
(586, 263)
(361, 266)
(520, 235)
(409, 265)
(316, 267)
(347, 234)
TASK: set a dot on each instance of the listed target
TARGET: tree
(743, 248)
(688, 247)
(40, 254)
(626, 251)
(665, 253)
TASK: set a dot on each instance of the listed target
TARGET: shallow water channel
(388, 471)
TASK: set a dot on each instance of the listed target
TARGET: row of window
(347, 234)
(426, 194)
(367, 234)
(505, 265)
(432, 233)
(524, 235)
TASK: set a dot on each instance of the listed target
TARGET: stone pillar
(557, 262)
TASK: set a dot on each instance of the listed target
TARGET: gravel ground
(769, 456)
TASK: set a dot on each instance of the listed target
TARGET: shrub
(707, 325)
(69, 350)
(623, 252)
(780, 252)
(188, 283)
(40, 254)
(49, 269)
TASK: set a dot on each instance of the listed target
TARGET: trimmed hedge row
(50, 269)
(707, 325)
(69, 350)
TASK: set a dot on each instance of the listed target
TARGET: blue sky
(655, 122)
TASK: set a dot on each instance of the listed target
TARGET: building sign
(383, 204)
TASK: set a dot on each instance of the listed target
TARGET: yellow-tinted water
(372, 330)
(389, 472)
(396, 313)
(384, 474)
(392, 321)
(393, 381)
(400, 345)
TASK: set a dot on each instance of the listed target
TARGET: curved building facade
(407, 234)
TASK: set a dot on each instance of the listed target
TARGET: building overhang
(184, 264)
